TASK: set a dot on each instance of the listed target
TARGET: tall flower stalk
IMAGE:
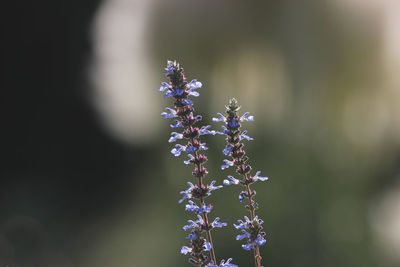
(251, 228)
(200, 230)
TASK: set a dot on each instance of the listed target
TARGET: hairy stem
(205, 217)
(257, 256)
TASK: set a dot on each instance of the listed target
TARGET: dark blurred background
(86, 176)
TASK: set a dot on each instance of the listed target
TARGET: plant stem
(205, 217)
(257, 256)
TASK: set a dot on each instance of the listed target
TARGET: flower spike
(180, 90)
(251, 229)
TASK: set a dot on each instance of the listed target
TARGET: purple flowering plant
(251, 229)
(188, 130)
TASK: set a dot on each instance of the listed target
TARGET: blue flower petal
(169, 70)
(227, 150)
(171, 114)
(205, 209)
(206, 246)
(211, 186)
(186, 102)
(194, 84)
(175, 136)
(248, 246)
(204, 130)
(164, 86)
(231, 180)
(192, 207)
(226, 130)
(189, 160)
(216, 223)
(177, 124)
(241, 197)
(246, 117)
(227, 164)
(194, 93)
(169, 93)
(178, 91)
(194, 224)
(221, 118)
(187, 227)
(260, 240)
(241, 225)
(244, 136)
(258, 177)
(227, 263)
(192, 236)
(243, 235)
(187, 194)
(233, 124)
(222, 264)
(190, 149)
(185, 250)
(177, 150)
(203, 146)
(211, 264)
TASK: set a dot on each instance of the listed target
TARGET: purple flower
(243, 224)
(164, 86)
(211, 187)
(246, 117)
(189, 160)
(171, 114)
(251, 229)
(187, 194)
(233, 124)
(169, 70)
(243, 235)
(258, 177)
(192, 207)
(204, 130)
(177, 124)
(193, 85)
(177, 150)
(173, 92)
(203, 146)
(227, 164)
(260, 240)
(241, 196)
(186, 102)
(227, 150)
(175, 136)
(226, 130)
(180, 90)
(207, 246)
(248, 246)
(190, 149)
(231, 180)
(221, 118)
(192, 236)
(216, 223)
(194, 224)
(222, 264)
(185, 250)
(244, 136)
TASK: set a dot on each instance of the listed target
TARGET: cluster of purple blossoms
(184, 119)
(251, 228)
